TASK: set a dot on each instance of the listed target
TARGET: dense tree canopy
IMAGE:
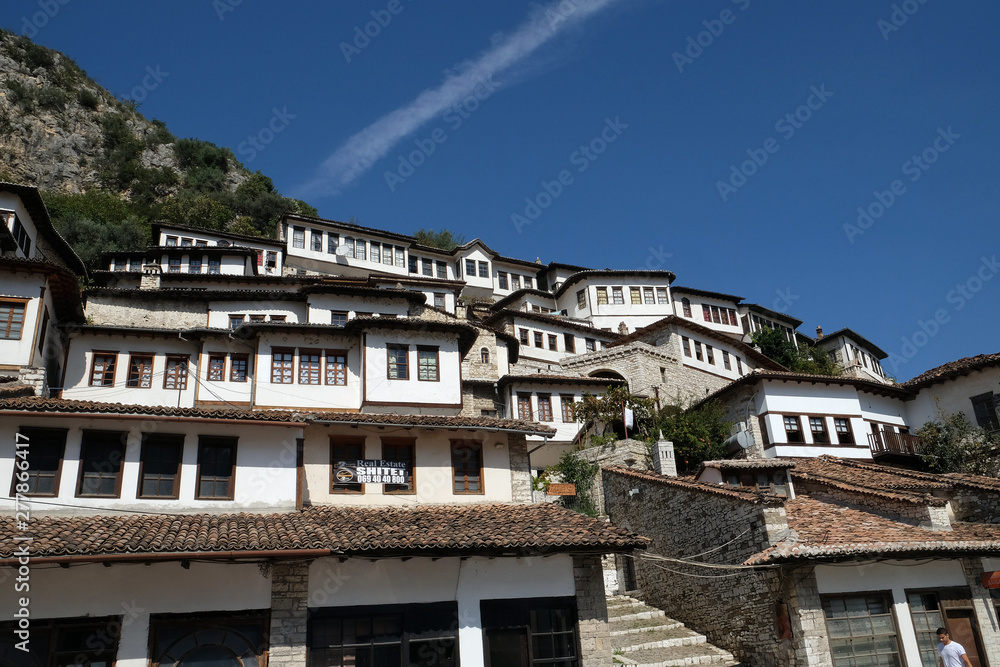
(952, 444)
(802, 359)
(444, 239)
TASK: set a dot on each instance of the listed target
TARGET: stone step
(643, 625)
(643, 614)
(657, 638)
(676, 656)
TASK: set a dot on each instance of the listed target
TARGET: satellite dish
(742, 439)
(344, 251)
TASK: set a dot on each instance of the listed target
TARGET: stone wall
(628, 453)
(473, 367)
(289, 613)
(978, 505)
(477, 397)
(592, 612)
(983, 602)
(520, 468)
(738, 611)
(149, 312)
(34, 377)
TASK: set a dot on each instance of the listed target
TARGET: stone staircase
(645, 637)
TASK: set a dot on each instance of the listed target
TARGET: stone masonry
(984, 605)
(289, 614)
(592, 611)
(520, 468)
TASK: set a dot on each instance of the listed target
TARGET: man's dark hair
(941, 631)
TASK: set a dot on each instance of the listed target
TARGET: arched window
(484, 354)
(686, 303)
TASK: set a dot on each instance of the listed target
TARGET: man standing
(952, 654)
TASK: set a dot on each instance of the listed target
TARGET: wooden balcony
(888, 442)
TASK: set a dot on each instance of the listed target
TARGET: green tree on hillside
(698, 435)
(444, 239)
(803, 359)
(952, 444)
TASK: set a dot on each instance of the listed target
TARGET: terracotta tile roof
(827, 531)
(701, 292)
(953, 369)
(871, 479)
(642, 274)
(690, 484)
(15, 390)
(542, 378)
(370, 531)
(850, 333)
(60, 405)
(750, 464)
(552, 320)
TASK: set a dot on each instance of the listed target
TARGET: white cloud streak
(360, 152)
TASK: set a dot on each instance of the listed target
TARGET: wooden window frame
(850, 431)
(662, 297)
(213, 357)
(336, 315)
(440, 301)
(725, 361)
(29, 434)
(458, 445)
(813, 431)
(635, 296)
(686, 307)
(104, 373)
(310, 371)
(581, 299)
(686, 346)
(180, 377)
(484, 355)
(515, 282)
(278, 368)
(214, 440)
(590, 344)
(545, 411)
(82, 475)
(538, 340)
(6, 327)
(569, 342)
(709, 354)
(887, 601)
(401, 442)
(523, 336)
(442, 269)
(326, 367)
(470, 268)
(602, 296)
(389, 365)
(146, 438)
(522, 400)
(617, 296)
(566, 402)
(553, 342)
(346, 441)
(233, 358)
(698, 354)
(133, 357)
(798, 421)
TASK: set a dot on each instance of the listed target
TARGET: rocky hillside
(101, 164)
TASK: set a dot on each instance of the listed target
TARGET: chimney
(461, 312)
(150, 276)
(819, 332)
(663, 457)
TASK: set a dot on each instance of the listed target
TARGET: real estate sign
(372, 471)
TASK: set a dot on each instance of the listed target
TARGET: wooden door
(506, 647)
(962, 627)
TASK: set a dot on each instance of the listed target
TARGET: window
(709, 354)
(214, 265)
(467, 466)
(176, 375)
(258, 317)
(236, 320)
(616, 296)
(140, 371)
(194, 265)
(412, 634)
(309, 366)
(272, 260)
(338, 318)
(733, 319)
(282, 359)
(398, 366)
(160, 465)
(725, 361)
(400, 258)
(101, 455)
(984, 407)
(793, 429)
(336, 368)
(527, 282)
(502, 280)
(175, 265)
(591, 344)
(861, 630)
(171, 240)
(739, 366)
(332, 243)
(538, 339)
(925, 610)
(238, 367)
(233, 638)
(817, 425)
(401, 450)
(45, 448)
(686, 345)
(715, 315)
(566, 402)
(186, 242)
(515, 281)
(524, 407)
(648, 296)
(345, 452)
(376, 253)
(602, 296)
(66, 641)
(470, 268)
(298, 237)
(413, 265)
(569, 341)
(216, 367)
(360, 249)
(427, 364)
(216, 468)
(484, 355)
(553, 342)
(635, 296)
(387, 254)
(523, 336)
(545, 631)
(277, 318)
(442, 269)
(439, 300)
(544, 408)
(348, 247)
(427, 267)
(845, 436)
(686, 307)
(484, 270)
(661, 295)
(706, 312)
(697, 351)
(102, 369)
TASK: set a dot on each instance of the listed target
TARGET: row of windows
(428, 267)
(510, 281)
(20, 233)
(544, 402)
(842, 433)
(38, 471)
(12, 318)
(865, 359)
(713, 314)
(637, 296)
(141, 370)
(379, 253)
(185, 242)
(758, 323)
(236, 319)
(708, 354)
(551, 341)
(314, 366)
(345, 451)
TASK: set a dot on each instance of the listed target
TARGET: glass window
(524, 407)
(214, 265)
(581, 299)
(484, 355)
(661, 295)
(360, 249)
(401, 450)
(845, 436)
(160, 465)
(400, 258)
(538, 339)
(861, 631)
(174, 265)
(616, 296)
(194, 265)
(332, 243)
(523, 336)
(376, 253)
(309, 366)
(686, 345)
(502, 280)
(336, 367)
(686, 306)
(439, 300)
(216, 367)
(709, 354)
(281, 365)
(553, 342)
(216, 467)
(527, 282)
(299, 237)
(706, 312)
(176, 374)
(238, 367)
(635, 296)
(515, 281)
(414, 264)
(484, 270)
(212, 641)
(569, 341)
(387, 254)
(544, 408)
(648, 296)
(984, 407)
(427, 267)
(338, 318)
(398, 366)
(45, 448)
(272, 260)
(315, 240)
(467, 466)
(793, 429)
(591, 344)
(87, 642)
(236, 320)
(566, 401)
(925, 611)
(171, 240)
(102, 369)
(101, 456)
(442, 269)
(427, 363)
(348, 247)
(725, 361)
(140, 371)
(697, 351)
(817, 425)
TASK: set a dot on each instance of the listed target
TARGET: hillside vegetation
(105, 171)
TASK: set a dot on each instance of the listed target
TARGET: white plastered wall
(268, 394)
(952, 396)
(446, 393)
(23, 286)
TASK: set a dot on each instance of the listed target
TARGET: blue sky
(728, 141)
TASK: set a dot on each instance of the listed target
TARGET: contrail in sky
(357, 155)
